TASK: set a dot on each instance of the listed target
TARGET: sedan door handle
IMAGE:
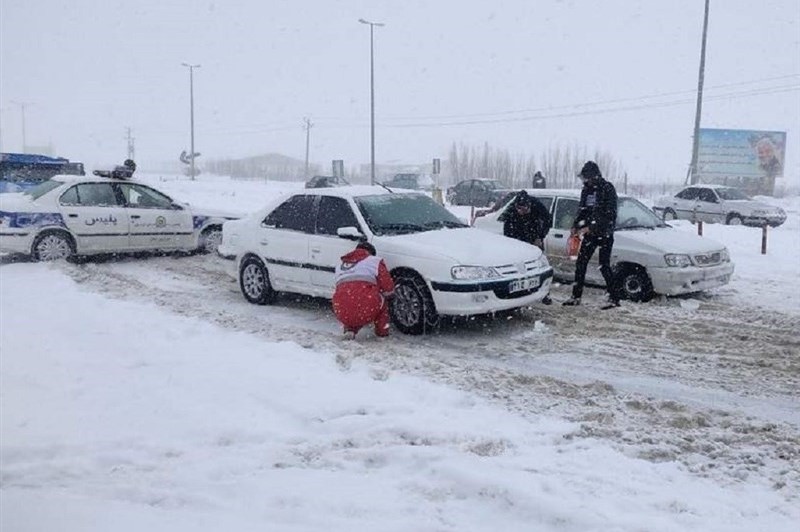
(315, 250)
(264, 242)
(72, 215)
(558, 236)
(135, 216)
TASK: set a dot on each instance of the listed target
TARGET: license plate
(523, 284)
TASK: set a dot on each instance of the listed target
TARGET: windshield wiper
(401, 226)
(636, 227)
(438, 224)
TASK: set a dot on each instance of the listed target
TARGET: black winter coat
(529, 227)
(598, 208)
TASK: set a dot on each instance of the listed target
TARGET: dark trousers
(589, 244)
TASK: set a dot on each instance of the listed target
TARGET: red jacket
(359, 265)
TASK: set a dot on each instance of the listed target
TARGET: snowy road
(702, 381)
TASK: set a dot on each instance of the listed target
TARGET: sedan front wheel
(412, 308)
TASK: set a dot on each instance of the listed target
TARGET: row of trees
(558, 164)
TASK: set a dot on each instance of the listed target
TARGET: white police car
(83, 215)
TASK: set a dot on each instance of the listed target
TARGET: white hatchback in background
(440, 265)
(84, 215)
(718, 204)
(649, 257)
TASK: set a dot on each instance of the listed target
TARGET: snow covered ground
(145, 393)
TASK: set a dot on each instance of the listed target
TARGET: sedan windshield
(394, 214)
(732, 194)
(43, 188)
(632, 214)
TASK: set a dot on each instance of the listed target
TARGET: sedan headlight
(473, 272)
(678, 261)
(726, 257)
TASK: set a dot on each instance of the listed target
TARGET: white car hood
(666, 240)
(748, 206)
(467, 246)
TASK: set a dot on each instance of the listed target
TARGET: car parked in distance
(720, 204)
(441, 266)
(410, 182)
(649, 257)
(83, 215)
(476, 192)
(325, 181)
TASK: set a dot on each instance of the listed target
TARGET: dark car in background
(477, 192)
(410, 181)
(326, 181)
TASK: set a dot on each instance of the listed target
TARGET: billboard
(743, 158)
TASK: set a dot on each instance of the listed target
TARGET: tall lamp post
(692, 174)
(191, 112)
(371, 95)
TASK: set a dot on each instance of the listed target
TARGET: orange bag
(573, 246)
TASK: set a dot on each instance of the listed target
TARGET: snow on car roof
(89, 179)
(355, 191)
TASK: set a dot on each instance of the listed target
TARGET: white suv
(648, 256)
(440, 265)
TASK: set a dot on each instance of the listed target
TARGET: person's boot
(612, 303)
(572, 302)
(547, 300)
(348, 335)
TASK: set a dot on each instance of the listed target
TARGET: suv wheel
(634, 284)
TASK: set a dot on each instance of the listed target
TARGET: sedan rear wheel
(254, 282)
(669, 214)
(53, 246)
(210, 240)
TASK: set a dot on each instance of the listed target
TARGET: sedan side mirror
(350, 233)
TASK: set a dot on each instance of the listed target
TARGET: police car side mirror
(349, 233)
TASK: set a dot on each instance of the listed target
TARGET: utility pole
(307, 127)
(692, 174)
(22, 106)
(130, 139)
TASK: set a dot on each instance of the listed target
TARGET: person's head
(129, 164)
(369, 248)
(522, 203)
(590, 172)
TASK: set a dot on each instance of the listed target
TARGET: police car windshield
(42, 188)
(394, 214)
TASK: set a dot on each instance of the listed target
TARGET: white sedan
(648, 256)
(720, 204)
(440, 265)
(81, 215)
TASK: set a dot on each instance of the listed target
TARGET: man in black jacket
(595, 221)
(528, 220)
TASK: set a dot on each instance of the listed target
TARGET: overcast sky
(618, 75)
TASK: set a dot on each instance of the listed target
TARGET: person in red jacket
(363, 286)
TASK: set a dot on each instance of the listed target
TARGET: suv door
(283, 243)
(325, 247)
(555, 244)
(95, 215)
(155, 221)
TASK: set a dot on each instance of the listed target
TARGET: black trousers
(588, 246)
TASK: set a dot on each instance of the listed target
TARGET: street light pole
(191, 112)
(371, 95)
